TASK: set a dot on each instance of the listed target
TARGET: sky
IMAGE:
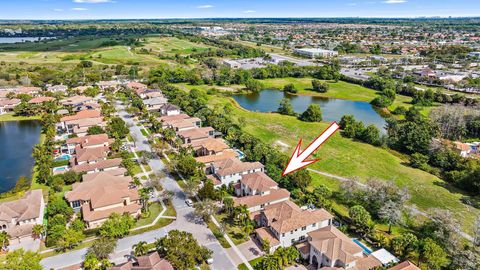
(150, 9)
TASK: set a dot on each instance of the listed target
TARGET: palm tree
(269, 262)
(4, 239)
(38, 230)
(228, 205)
(140, 248)
(144, 196)
(242, 213)
(248, 229)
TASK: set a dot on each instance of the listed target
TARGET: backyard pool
(366, 250)
(60, 169)
(63, 157)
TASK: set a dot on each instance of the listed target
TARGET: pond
(4, 40)
(16, 143)
(332, 109)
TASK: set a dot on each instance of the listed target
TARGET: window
(283, 234)
(304, 228)
(293, 241)
(314, 225)
(76, 204)
(291, 232)
(302, 238)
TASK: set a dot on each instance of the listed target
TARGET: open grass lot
(349, 158)
(154, 210)
(173, 45)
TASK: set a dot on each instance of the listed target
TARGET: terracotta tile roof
(28, 207)
(152, 261)
(113, 188)
(27, 90)
(102, 164)
(91, 215)
(265, 233)
(89, 140)
(75, 100)
(210, 144)
(9, 102)
(334, 244)
(287, 216)
(214, 180)
(406, 265)
(116, 172)
(215, 158)
(81, 115)
(87, 122)
(258, 181)
(195, 133)
(136, 85)
(461, 146)
(38, 100)
(256, 200)
(185, 123)
(172, 118)
(367, 263)
(234, 165)
(90, 154)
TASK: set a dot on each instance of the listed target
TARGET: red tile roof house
(7, 105)
(18, 217)
(40, 100)
(81, 126)
(57, 88)
(75, 101)
(67, 123)
(285, 224)
(195, 134)
(231, 170)
(89, 141)
(152, 261)
(136, 86)
(208, 146)
(168, 121)
(114, 85)
(186, 124)
(103, 194)
(257, 190)
(98, 166)
(30, 90)
(89, 155)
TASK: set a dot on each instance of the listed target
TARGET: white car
(189, 202)
(210, 261)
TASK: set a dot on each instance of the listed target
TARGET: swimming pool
(60, 169)
(241, 155)
(366, 250)
(63, 157)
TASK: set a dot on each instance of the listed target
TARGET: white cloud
(352, 4)
(205, 6)
(93, 1)
(79, 9)
(395, 1)
(58, 9)
(249, 11)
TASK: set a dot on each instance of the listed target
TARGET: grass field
(349, 158)
(11, 117)
(173, 45)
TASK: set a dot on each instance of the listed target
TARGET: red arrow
(298, 159)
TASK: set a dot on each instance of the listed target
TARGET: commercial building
(316, 53)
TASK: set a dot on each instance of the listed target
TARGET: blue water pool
(366, 250)
(60, 169)
(63, 157)
(241, 155)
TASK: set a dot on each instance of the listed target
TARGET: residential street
(185, 221)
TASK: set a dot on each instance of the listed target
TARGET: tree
(187, 166)
(184, 256)
(286, 107)
(228, 206)
(205, 209)
(37, 230)
(404, 244)
(290, 88)
(253, 85)
(102, 247)
(476, 238)
(117, 128)
(70, 238)
(371, 135)
(117, 225)
(208, 191)
(22, 260)
(391, 213)
(91, 262)
(93, 130)
(140, 248)
(360, 217)
(269, 262)
(319, 86)
(312, 114)
(70, 177)
(433, 255)
(248, 229)
(4, 240)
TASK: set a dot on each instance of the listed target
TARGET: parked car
(189, 202)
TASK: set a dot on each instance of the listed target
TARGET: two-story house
(103, 194)
(195, 134)
(90, 141)
(231, 170)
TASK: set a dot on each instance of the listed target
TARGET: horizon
(214, 9)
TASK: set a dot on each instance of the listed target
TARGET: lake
(332, 109)
(4, 40)
(16, 143)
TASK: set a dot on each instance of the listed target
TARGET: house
(462, 149)
(40, 100)
(167, 121)
(154, 104)
(18, 217)
(231, 170)
(232, 64)
(285, 224)
(152, 261)
(29, 90)
(208, 146)
(426, 72)
(226, 154)
(7, 105)
(82, 88)
(151, 94)
(137, 86)
(190, 134)
(89, 155)
(257, 190)
(68, 123)
(57, 88)
(75, 101)
(109, 85)
(103, 195)
(406, 265)
(169, 109)
(90, 141)
(98, 166)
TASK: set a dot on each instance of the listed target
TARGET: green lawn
(154, 210)
(234, 232)
(252, 263)
(173, 45)
(11, 117)
(216, 232)
(349, 158)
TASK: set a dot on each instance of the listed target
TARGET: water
(332, 109)
(5, 40)
(366, 250)
(16, 143)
